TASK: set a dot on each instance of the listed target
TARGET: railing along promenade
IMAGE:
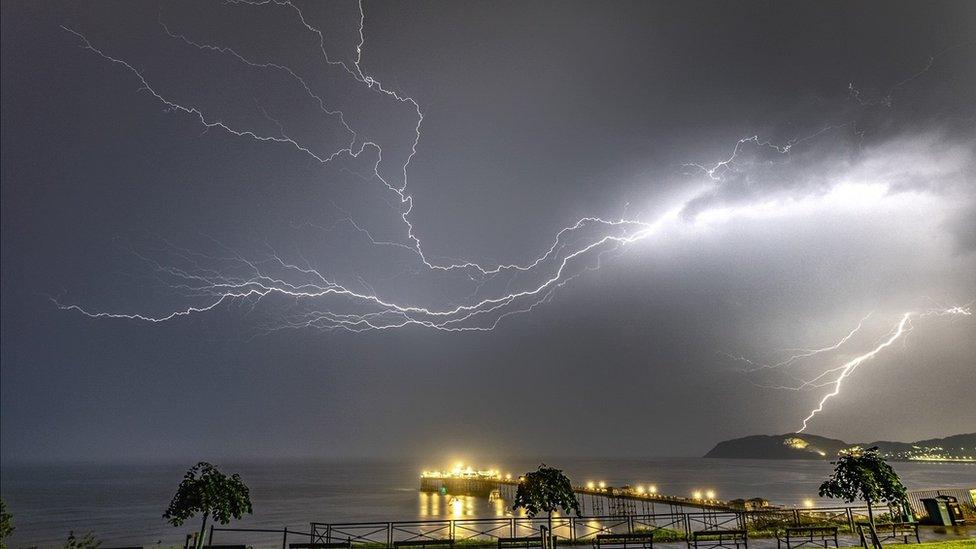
(570, 530)
(581, 529)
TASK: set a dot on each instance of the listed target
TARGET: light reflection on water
(123, 504)
(437, 506)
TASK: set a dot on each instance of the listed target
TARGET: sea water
(123, 504)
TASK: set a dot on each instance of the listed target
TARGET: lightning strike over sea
(576, 248)
(377, 269)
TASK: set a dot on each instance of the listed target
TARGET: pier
(595, 499)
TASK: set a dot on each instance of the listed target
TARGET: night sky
(616, 216)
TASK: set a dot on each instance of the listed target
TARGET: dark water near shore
(122, 504)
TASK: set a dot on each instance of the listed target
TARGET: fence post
(796, 517)
(284, 539)
(850, 519)
(211, 536)
(389, 534)
(511, 526)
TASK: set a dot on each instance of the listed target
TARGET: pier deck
(615, 500)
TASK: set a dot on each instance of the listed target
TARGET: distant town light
(652, 489)
(808, 503)
(603, 485)
(696, 495)
(590, 485)
(710, 494)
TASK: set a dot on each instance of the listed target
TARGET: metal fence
(673, 526)
(244, 536)
(580, 529)
(568, 530)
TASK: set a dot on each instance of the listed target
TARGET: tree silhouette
(207, 491)
(545, 490)
(6, 525)
(864, 474)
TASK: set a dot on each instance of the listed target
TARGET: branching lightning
(848, 368)
(834, 376)
(324, 302)
(385, 314)
(805, 353)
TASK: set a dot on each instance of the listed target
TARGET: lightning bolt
(322, 301)
(887, 99)
(849, 367)
(803, 353)
(836, 375)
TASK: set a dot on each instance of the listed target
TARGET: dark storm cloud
(534, 118)
(962, 226)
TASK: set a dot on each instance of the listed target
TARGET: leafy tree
(545, 490)
(6, 525)
(207, 491)
(864, 474)
(88, 541)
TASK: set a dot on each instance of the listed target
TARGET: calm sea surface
(123, 504)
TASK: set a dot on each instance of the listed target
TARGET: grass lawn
(954, 544)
